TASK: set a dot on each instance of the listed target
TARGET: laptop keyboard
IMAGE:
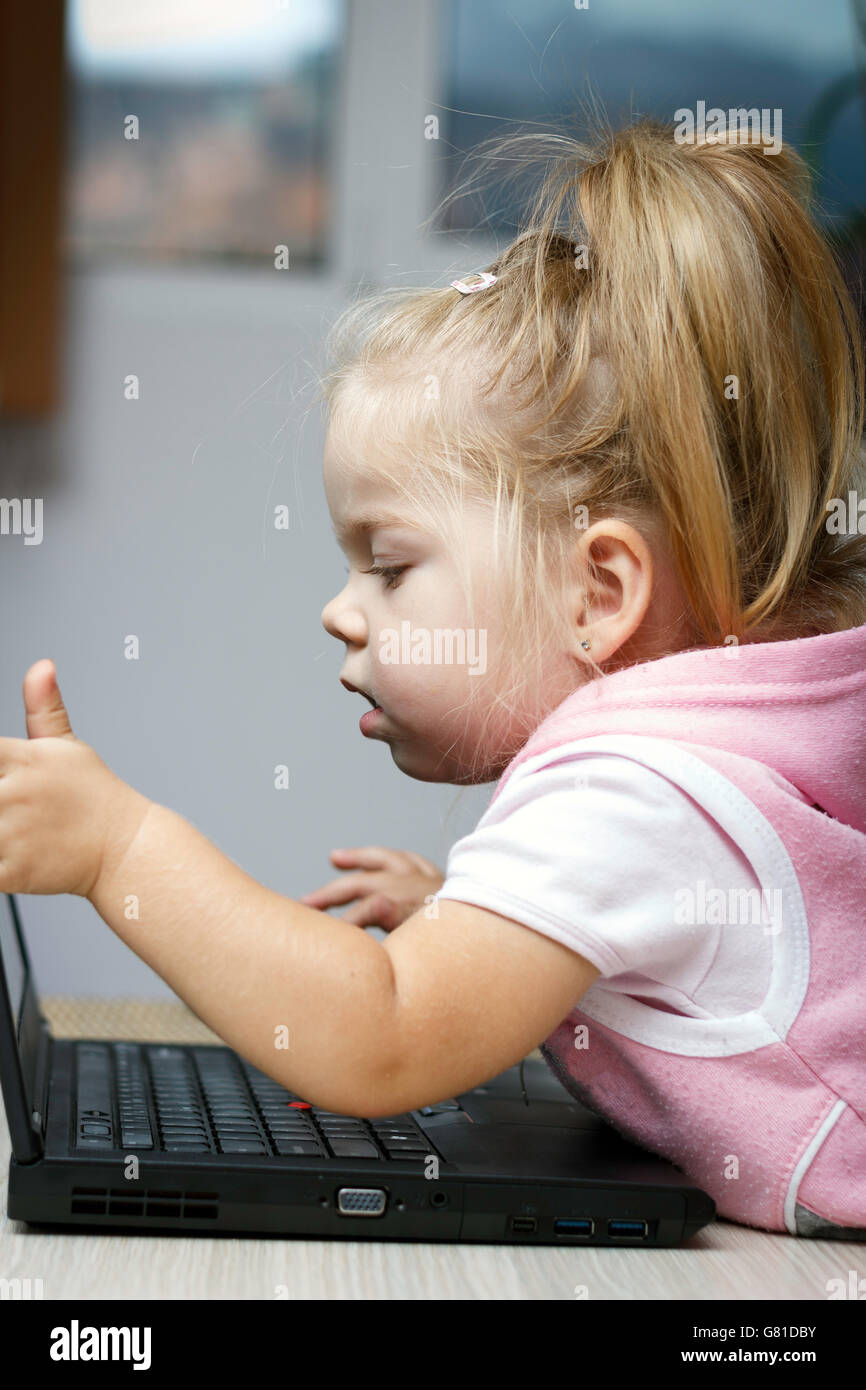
(192, 1100)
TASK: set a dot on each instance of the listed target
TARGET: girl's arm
(350, 1024)
(372, 1028)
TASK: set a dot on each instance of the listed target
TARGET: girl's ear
(613, 582)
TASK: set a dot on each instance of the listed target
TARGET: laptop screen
(24, 1038)
(14, 966)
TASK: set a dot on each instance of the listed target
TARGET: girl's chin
(422, 764)
(426, 765)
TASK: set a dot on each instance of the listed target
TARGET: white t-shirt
(609, 857)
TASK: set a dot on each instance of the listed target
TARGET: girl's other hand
(390, 884)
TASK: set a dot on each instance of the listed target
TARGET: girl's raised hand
(63, 814)
(389, 884)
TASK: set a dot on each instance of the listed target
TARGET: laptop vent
(157, 1203)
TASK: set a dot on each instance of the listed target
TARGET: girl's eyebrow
(372, 520)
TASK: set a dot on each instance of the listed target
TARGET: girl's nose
(344, 621)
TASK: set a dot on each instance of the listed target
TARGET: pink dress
(766, 1110)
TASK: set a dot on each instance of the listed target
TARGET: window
(529, 59)
(200, 129)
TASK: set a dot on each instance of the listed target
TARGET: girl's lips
(356, 690)
(369, 720)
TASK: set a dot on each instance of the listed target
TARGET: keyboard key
(136, 1139)
(354, 1148)
(290, 1147)
(93, 1099)
(243, 1146)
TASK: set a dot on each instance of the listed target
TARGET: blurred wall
(158, 523)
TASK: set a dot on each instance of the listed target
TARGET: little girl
(623, 464)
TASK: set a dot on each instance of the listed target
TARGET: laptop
(149, 1136)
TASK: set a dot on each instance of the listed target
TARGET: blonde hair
(669, 341)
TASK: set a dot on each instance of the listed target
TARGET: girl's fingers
(425, 865)
(12, 753)
(375, 911)
(340, 890)
(371, 857)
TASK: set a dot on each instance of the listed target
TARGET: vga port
(361, 1201)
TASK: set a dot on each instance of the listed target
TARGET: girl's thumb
(43, 703)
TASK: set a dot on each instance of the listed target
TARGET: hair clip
(478, 280)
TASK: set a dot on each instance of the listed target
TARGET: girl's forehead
(350, 451)
(360, 468)
(361, 498)
(353, 473)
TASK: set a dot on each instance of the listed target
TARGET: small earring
(585, 645)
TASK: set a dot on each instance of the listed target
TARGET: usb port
(526, 1224)
(573, 1226)
(627, 1230)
